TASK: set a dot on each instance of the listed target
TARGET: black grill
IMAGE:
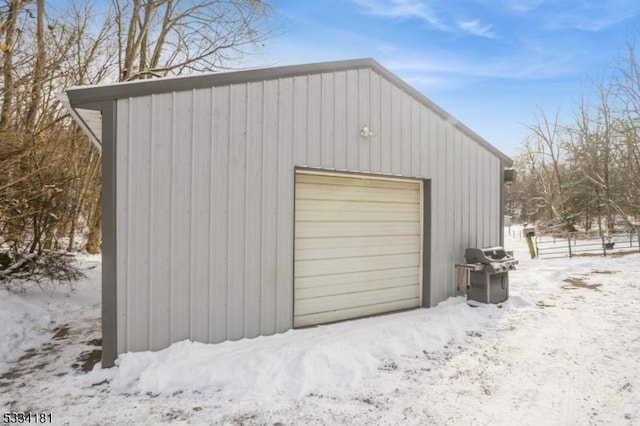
(488, 274)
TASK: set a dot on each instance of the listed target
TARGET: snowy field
(564, 350)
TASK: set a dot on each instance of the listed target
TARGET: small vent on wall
(509, 176)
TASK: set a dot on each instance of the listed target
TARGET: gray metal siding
(205, 193)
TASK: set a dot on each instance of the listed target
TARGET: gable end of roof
(92, 97)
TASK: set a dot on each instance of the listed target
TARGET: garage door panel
(378, 215)
(342, 206)
(360, 311)
(355, 299)
(323, 179)
(356, 194)
(358, 247)
(355, 242)
(353, 287)
(304, 268)
(319, 281)
(354, 229)
(336, 252)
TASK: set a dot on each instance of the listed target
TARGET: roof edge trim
(90, 96)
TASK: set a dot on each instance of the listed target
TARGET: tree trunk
(94, 239)
(10, 33)
(38, 69)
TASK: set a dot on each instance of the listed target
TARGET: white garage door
(358, 247)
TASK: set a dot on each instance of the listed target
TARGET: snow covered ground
(565, 349)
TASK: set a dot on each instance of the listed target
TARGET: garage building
(246, 203)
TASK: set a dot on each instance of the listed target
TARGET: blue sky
(490, 63)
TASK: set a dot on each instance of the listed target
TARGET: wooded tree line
(50, 175)
(585, 174)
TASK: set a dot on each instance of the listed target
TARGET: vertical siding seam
(127, 240)
(261, 206)
(262, 137)
(370, 90)
(278, 165)
(473, 182)
(398, 124)
(459, 194)
(246, 297)
(416, 165)
(291, 212)
(150, 224)
(380, 135)
(171, 214)
(400, 95)
(390, 127)
(442, 202)
(191, 213)
(486, 199)
(333, 122)
(479, 230)
(358, 125)
(447, 214)
(306, 123)
(322, 130)
(456, 213)
(496, 202)
(405, 104)
(228, 216)
(210, 281)
(465, 190)
(128, 237)
(415, 138)
(469, 191)
(419, 141)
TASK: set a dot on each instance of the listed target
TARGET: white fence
(584, 243)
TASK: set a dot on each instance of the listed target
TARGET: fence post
(532, 251)
(569, 241)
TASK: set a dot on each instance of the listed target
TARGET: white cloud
(439, 18)
(403, 9)
(474, 27)
(451, 67)
(523, 6)
(593, 23)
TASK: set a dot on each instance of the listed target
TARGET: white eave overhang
(89, 120)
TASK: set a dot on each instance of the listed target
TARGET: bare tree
(593, 149)
(9, 15)
(544, 150)
(590, 168)
(626, 89)
(50, 179)
(162, 37)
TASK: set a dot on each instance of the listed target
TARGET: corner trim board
(109, 235)
(502, 203)
(426, 243)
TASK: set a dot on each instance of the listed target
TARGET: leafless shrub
(48, 271)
